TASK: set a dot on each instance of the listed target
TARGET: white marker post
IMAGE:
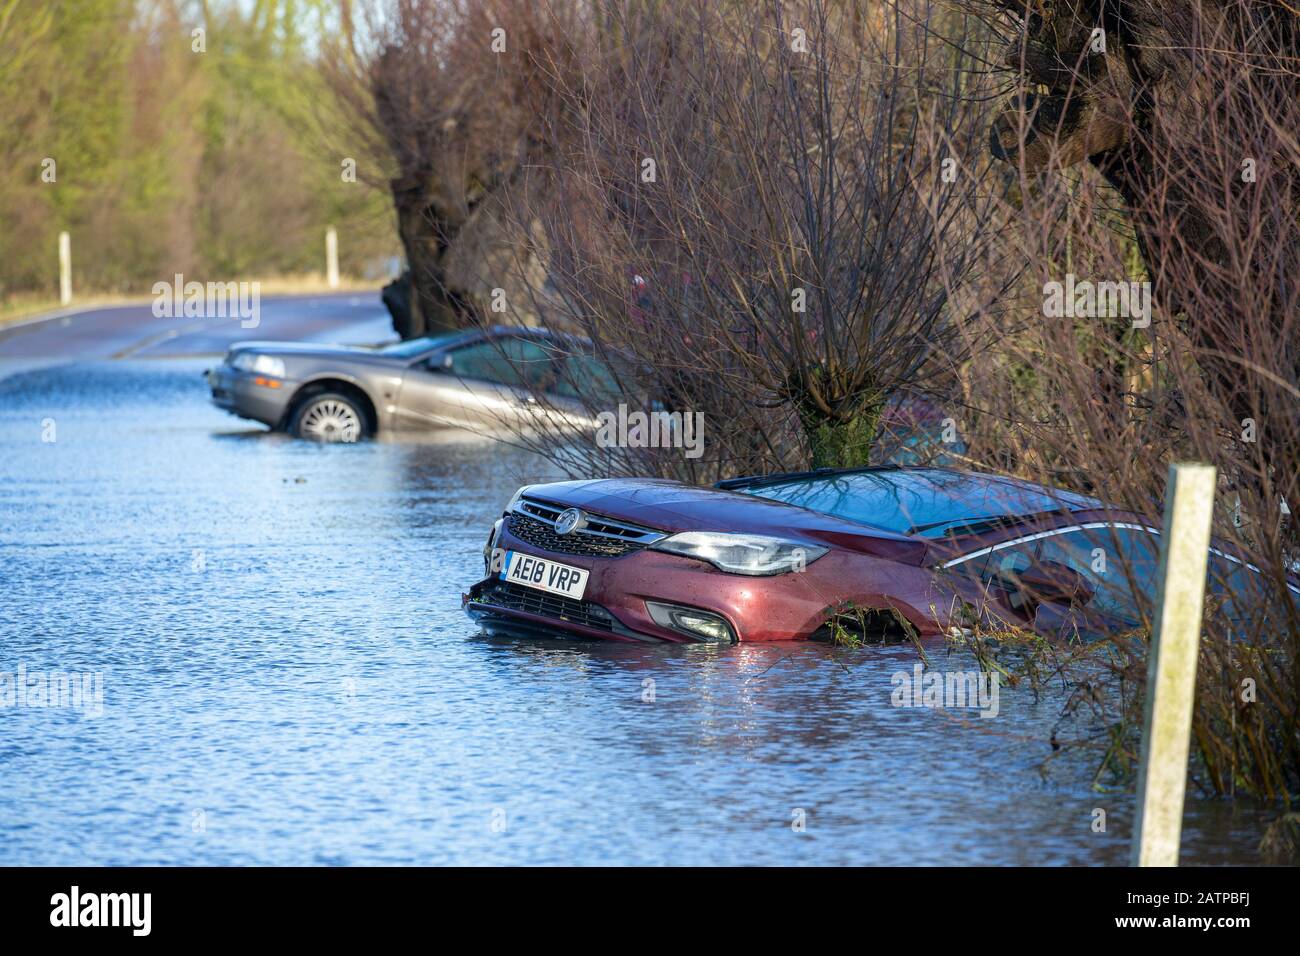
(332, 257)
(65, 268)
(1171, 665)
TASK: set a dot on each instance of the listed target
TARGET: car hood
(672, 506)
(314, 350)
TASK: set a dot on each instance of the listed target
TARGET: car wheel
(328, 417)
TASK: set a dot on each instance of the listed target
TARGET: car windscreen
(413, 347)
(927, 502)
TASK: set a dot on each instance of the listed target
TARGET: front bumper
(240, 393)
(778, 608)
(512, 608)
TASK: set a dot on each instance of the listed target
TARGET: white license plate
(545, 575)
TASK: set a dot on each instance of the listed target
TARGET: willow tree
(447, 102)
(774, 210)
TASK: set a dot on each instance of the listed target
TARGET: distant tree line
(170, 136)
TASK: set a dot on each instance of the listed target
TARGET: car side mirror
(1055, 583)
(438, 363)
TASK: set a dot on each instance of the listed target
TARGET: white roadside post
(1171, 665)
(65, 268)
(332, 257)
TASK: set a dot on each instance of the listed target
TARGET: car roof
(457, 338)
(540, 332)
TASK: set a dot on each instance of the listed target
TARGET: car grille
(516, 597)
(579, 542)
(534, 522)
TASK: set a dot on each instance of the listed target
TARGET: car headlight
(514, 502)
(259, 364)
(490, 549)
(742, 553)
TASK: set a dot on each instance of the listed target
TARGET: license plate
(544, 575)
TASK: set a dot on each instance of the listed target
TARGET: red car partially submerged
(774, 558)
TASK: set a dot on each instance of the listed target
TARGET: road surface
(134, 332)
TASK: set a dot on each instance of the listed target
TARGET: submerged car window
(1119, 563)
(586, 375)
(928, 502)
(1005, 565)
(1000, 571)
(414, 347)
(1247, 599)
(519, 363)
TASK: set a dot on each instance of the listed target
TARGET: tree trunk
(433, 307)
(842, 443)
(842, 436)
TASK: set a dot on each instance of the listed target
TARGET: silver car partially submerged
(479, 379)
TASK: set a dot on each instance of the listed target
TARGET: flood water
(288, 678)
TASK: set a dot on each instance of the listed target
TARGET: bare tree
(771, 216)
(447, 103)
(1189, 110)
(1163, 156)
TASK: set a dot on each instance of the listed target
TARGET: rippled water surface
(288, 679)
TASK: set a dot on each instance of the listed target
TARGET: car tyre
(328, 417)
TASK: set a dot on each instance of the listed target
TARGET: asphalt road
(134, 332)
